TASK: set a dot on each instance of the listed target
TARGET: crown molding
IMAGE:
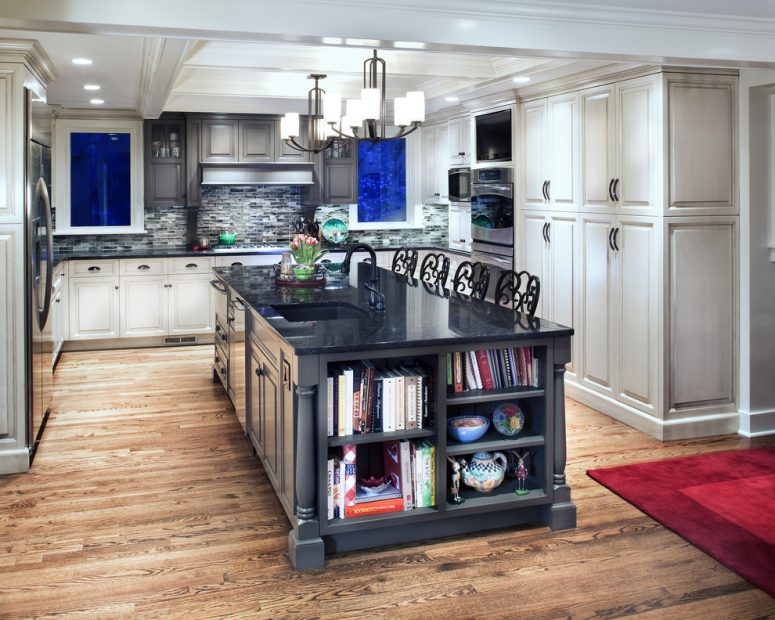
(91, 114)
(30, 53)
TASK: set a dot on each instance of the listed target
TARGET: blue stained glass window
(382, 181)
(100, 179)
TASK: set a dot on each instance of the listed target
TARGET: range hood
(257, 173)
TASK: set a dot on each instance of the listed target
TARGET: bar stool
(435, 269)
(405, 262)
(471, 279)
(519, 291)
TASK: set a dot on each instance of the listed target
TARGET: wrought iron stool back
(471, 279)
(405, 262)
(435, 269)
(519, 291)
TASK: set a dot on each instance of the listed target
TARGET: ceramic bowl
(467, 428)
(227, 238)
(508, 419)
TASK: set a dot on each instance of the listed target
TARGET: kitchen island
(295, 337)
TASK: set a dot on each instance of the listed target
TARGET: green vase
(303, 272)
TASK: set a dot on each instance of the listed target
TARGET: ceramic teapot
(485, 471)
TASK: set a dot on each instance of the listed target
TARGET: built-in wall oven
(492, 217)
(459, 185)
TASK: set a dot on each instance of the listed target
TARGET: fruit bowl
(467, 428)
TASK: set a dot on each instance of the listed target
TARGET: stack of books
(407, 480)
(364, 399)
(491, 369)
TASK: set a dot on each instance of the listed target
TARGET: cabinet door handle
(548, 190)
(616, 190)
(543, 190)
(616, 243)
(548, 228)
(236, 264)
(461, 153)
(259, 372)
(94, 268)
(192, 266)
(218, 286)
(610, 242)
(611, 191)
(143, 267)
(217, 359)
(543, 231)
(116, 287)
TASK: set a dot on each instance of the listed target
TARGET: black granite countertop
(415, 316)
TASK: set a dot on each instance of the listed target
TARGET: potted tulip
(306, 251)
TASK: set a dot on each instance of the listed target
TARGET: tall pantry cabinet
(654, 248)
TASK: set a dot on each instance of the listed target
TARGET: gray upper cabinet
(165, 160)
(336, 177)
(219, 140)
(256, 140)
(193, 171)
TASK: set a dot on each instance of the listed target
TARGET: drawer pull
(192, 266)
(236, 264)
(259, 372)
(94, 268)
(143, 267)
(217, 359)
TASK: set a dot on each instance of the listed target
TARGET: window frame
(61, 174)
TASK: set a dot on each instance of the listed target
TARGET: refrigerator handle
(41, 194)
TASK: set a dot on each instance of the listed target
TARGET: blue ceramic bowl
(467, 428)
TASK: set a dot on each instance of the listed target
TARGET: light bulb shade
(332, 107)
(330, 133)
(354, 113)
(321, 130)
(371, 103)
(416, 99)
(401, 112)
(289, 125)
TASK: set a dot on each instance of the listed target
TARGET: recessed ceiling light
(523, 79)
(409, 45)
(82, 61)
(96, 101)
(332, 40)
(451, 98)
(362, 42)
(91, 86)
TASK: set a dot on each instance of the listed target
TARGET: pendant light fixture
(320, 136)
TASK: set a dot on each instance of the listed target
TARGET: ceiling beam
(161, 62)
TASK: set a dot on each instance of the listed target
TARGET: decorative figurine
(455, 487)
(521, 472)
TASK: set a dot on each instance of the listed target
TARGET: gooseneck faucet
(376, 299)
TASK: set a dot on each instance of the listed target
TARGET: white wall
(757, 277)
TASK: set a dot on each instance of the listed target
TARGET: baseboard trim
(14, 461)
(99, 344)
(757, 423)
(723, 423)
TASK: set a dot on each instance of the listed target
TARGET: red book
(375, 508)
(484, 370)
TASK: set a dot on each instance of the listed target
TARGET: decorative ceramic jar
(485, 471)
(303, 272)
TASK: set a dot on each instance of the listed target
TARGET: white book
(340, 496)
(400, 400)
(406, 474)
(330, 496)
(341, 384)
(388, 403)
(411, 400)
(416, 482)
(475, 367)
(330, 406)
(348, 400)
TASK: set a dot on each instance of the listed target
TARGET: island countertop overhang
(415, 316)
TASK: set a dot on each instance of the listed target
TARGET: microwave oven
(493, 136)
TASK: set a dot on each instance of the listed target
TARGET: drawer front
(221, 334)
(265, 339)
(190, 264)
(142, 266)
(94, 268)
(220, 365)
(247, 260)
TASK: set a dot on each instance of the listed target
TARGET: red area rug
(721, 502)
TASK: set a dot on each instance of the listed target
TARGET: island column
(563, 511)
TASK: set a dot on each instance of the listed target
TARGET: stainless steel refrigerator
(38, 266)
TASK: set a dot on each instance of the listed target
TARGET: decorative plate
(334, 231)
(508, 419)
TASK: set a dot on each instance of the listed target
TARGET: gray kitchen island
(295, 336)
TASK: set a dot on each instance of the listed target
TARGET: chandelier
(364, 118)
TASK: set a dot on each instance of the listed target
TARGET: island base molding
(757, 423)
(696, 425)
(14, 461)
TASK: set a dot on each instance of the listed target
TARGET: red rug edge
(743, 571)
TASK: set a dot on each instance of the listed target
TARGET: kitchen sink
(324, 311)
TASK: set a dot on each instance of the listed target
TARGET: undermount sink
(324, 311)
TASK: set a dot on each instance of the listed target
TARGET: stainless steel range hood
(262, 173)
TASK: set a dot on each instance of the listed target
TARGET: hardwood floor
(145, 499)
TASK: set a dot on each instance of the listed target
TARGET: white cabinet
(459, 141)
(460, 227)
(435, 163)
(619, 308)
(94, 307)
(550, 152)
(144, 306)
(621, 147)
(190, 304)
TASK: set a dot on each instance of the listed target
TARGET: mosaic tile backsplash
(256, 214)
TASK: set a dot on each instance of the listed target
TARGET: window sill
(99, 230)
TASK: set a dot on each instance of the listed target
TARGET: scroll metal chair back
(519, 291)
(471, 279)
(435, 269)
(405, 262)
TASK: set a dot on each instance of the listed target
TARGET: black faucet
(376, 299)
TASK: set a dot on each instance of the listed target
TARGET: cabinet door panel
(339, 182)
(636, 146)
(637, 344)
(597, 304)
(534, 121)
(288, 434)
(534, 257)
(190, 304)
(272, 415)
(563, 298)
(94, 307)
(144, 303)
(563, 140)
(256, 140)
(598, 157)
(219, 140)
(165, 184)
(255, 419)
